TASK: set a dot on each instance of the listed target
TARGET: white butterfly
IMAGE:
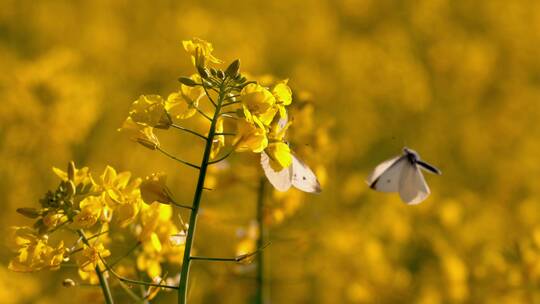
(297, 174)
(402, 174)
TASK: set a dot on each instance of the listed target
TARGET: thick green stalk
(102, 280)
(104, 286)
(184, 273)
(259, 295)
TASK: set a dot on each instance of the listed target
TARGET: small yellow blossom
(121, 194)
(81, 178)
(91, 209)
(250, 137)
(53, 219)
(155, 235)
(200, 51)
(183, 104)
(140, 133)
(258, 104)
(34, 252)
(150, 110)
(154, 189)
(89, 259)
(127, 212)
(278, 128)
(151, 217)
(279, 154)
(219, 140)
(283, 95)
(113, 184)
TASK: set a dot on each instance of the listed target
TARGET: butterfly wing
(280, 180)
(386, 176)
(413, 188)
(303, 178)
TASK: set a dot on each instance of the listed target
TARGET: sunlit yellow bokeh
(458, 81)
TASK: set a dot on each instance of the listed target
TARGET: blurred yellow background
(458, 81)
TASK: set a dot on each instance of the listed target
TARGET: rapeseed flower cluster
(95, 211)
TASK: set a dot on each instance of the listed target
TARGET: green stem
(184, 273)
(130, 281)
(189, 131)
(102, 280)
(259, 294)
(196, 258)
(177, 159)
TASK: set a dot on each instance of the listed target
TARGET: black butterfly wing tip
(373, 184)
(318, 188)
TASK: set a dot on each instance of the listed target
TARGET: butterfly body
(402, 174)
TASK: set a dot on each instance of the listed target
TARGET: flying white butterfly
(402, 174)
(297, 174)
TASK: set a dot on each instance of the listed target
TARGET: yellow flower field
(124, 123)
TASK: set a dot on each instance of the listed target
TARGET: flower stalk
(259, 294)
(103, 283)
(183, 284)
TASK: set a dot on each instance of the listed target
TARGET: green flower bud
(233, 68)
(187, 81)
(29, 212)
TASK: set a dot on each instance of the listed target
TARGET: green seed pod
(187, 81)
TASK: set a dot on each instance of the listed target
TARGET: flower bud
(187, 81)
(154, 189)
(202, 71)
(68, 283)
(148, 144)
(71, 171)
(29, 212)
(70, 188)
(220, 74)
(233, 68)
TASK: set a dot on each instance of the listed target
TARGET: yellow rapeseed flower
(155, 235)
(122, 195)
(90, 213)
(154, 189)
(33, 251)
(140, 133)
(258, 104)
(183, 104)
(150, 110)
(279, 154)
(89, 259)
(81, 178)
(219, 140)
(283, 94)
(250, 137)
(200, 51)
(53, 219)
